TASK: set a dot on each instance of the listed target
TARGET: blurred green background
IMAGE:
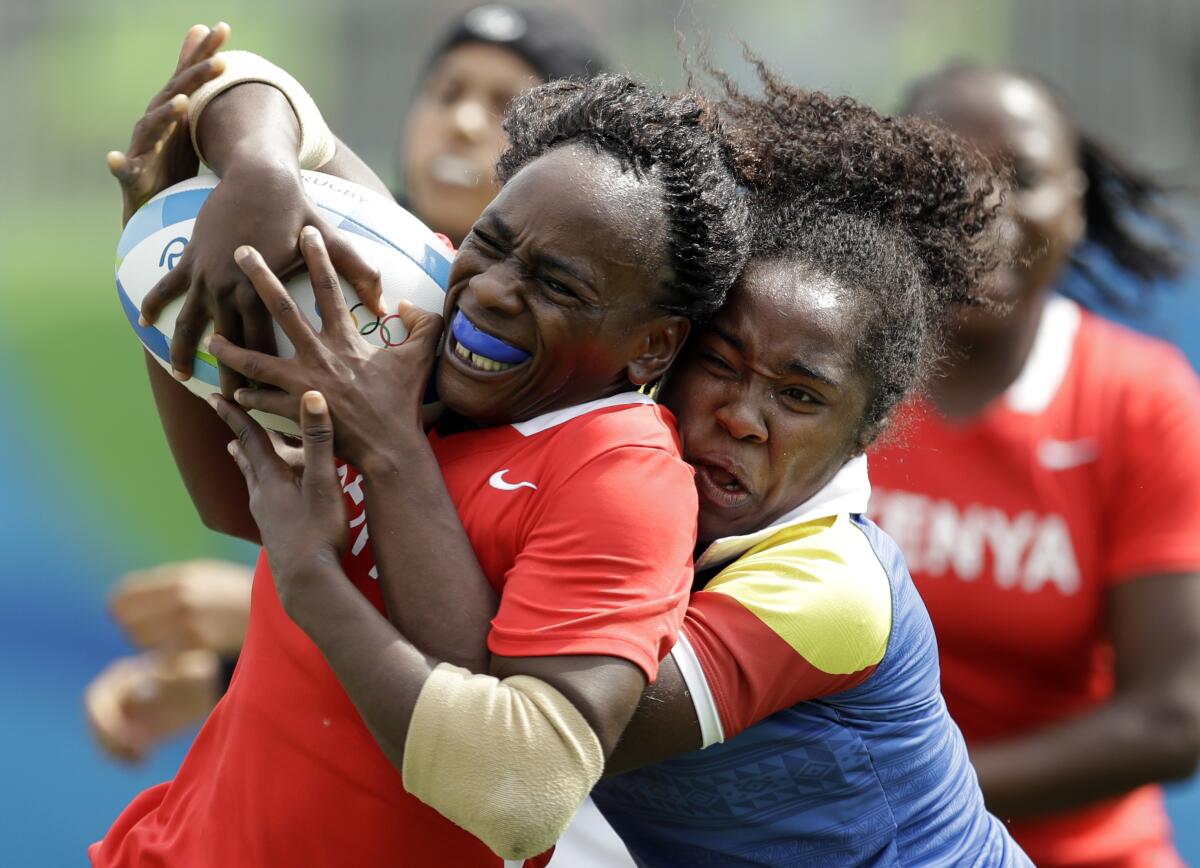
(89, 487)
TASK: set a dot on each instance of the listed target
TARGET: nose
(470, 120)
(498, 288)
(742, 416)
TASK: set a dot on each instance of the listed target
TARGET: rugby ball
(413, 262)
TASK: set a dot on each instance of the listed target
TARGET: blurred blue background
(89, 488)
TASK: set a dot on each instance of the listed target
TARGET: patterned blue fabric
(876, 775)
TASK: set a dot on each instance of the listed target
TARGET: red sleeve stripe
(751, 671)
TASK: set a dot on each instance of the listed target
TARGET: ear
(1077, 228)
(661, 341)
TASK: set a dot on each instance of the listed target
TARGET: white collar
(1037, 384)
(847, 492)
(544, 422)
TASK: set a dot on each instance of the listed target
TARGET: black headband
(552, 41)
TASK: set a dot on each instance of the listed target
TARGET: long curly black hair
(893, 208)
(657, 135)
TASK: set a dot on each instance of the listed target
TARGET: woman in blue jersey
(446, 155)
(807, 665)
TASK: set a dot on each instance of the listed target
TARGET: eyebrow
(798, 367)
(795, 366)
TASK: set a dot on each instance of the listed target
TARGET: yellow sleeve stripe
(821, 588)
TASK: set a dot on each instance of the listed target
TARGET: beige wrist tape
(510, 761)
(317, 142)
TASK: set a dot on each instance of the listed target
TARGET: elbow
(509, 761)
(517, 836)
(220, 522)
(518, 815)
(213, 520)
(1173, 725)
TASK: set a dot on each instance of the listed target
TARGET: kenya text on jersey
(1025, 552)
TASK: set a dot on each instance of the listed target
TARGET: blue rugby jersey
(875, 774)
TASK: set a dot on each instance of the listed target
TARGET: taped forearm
(317, 142)
(509, 761)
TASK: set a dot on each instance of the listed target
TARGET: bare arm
(1148, 732)
(304, 526)
(194, 433)
(197, 438)
(664, 725)
(253, 124)
(383, 672)
(250, 136)
(436, 593)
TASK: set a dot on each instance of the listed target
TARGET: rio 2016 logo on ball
(413, 263)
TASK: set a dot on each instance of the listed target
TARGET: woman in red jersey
(605, 237)
(185, 614)
(1047, 498)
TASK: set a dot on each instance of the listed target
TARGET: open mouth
(720, 486)
(453, 170)
(480, 350)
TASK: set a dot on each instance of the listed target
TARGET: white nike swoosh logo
(496, 480)
(1065, 454)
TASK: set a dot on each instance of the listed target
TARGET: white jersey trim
(711, 730)
(554, 418)
(1049, 357)
(848, 492)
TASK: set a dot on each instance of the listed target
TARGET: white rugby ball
(413, 262)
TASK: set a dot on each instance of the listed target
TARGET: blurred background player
(1047, 498)
(190, 617)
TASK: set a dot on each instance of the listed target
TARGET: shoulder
(1145, 386)
(637, 439)
(822, 588)
(1117, 354)
(619, 464)
(640, 425)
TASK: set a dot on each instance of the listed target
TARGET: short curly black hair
(895, 208)
(657, 135)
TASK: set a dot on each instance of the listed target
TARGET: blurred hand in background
(185, 616)
(176, 607)
(139, 701)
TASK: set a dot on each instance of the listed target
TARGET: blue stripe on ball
(141, 225)
(183, 206)
(433, 263)
(157, 343)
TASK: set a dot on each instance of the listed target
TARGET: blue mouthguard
(484, 344)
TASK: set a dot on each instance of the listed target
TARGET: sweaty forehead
(592, 200)
(784, 311)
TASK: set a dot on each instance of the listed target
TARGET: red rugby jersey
(584, 521)
(1086, 473)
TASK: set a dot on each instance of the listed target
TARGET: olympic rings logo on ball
(376, 324)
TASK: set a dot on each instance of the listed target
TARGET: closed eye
(486, 241)
(557, 288)
(718, 364)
